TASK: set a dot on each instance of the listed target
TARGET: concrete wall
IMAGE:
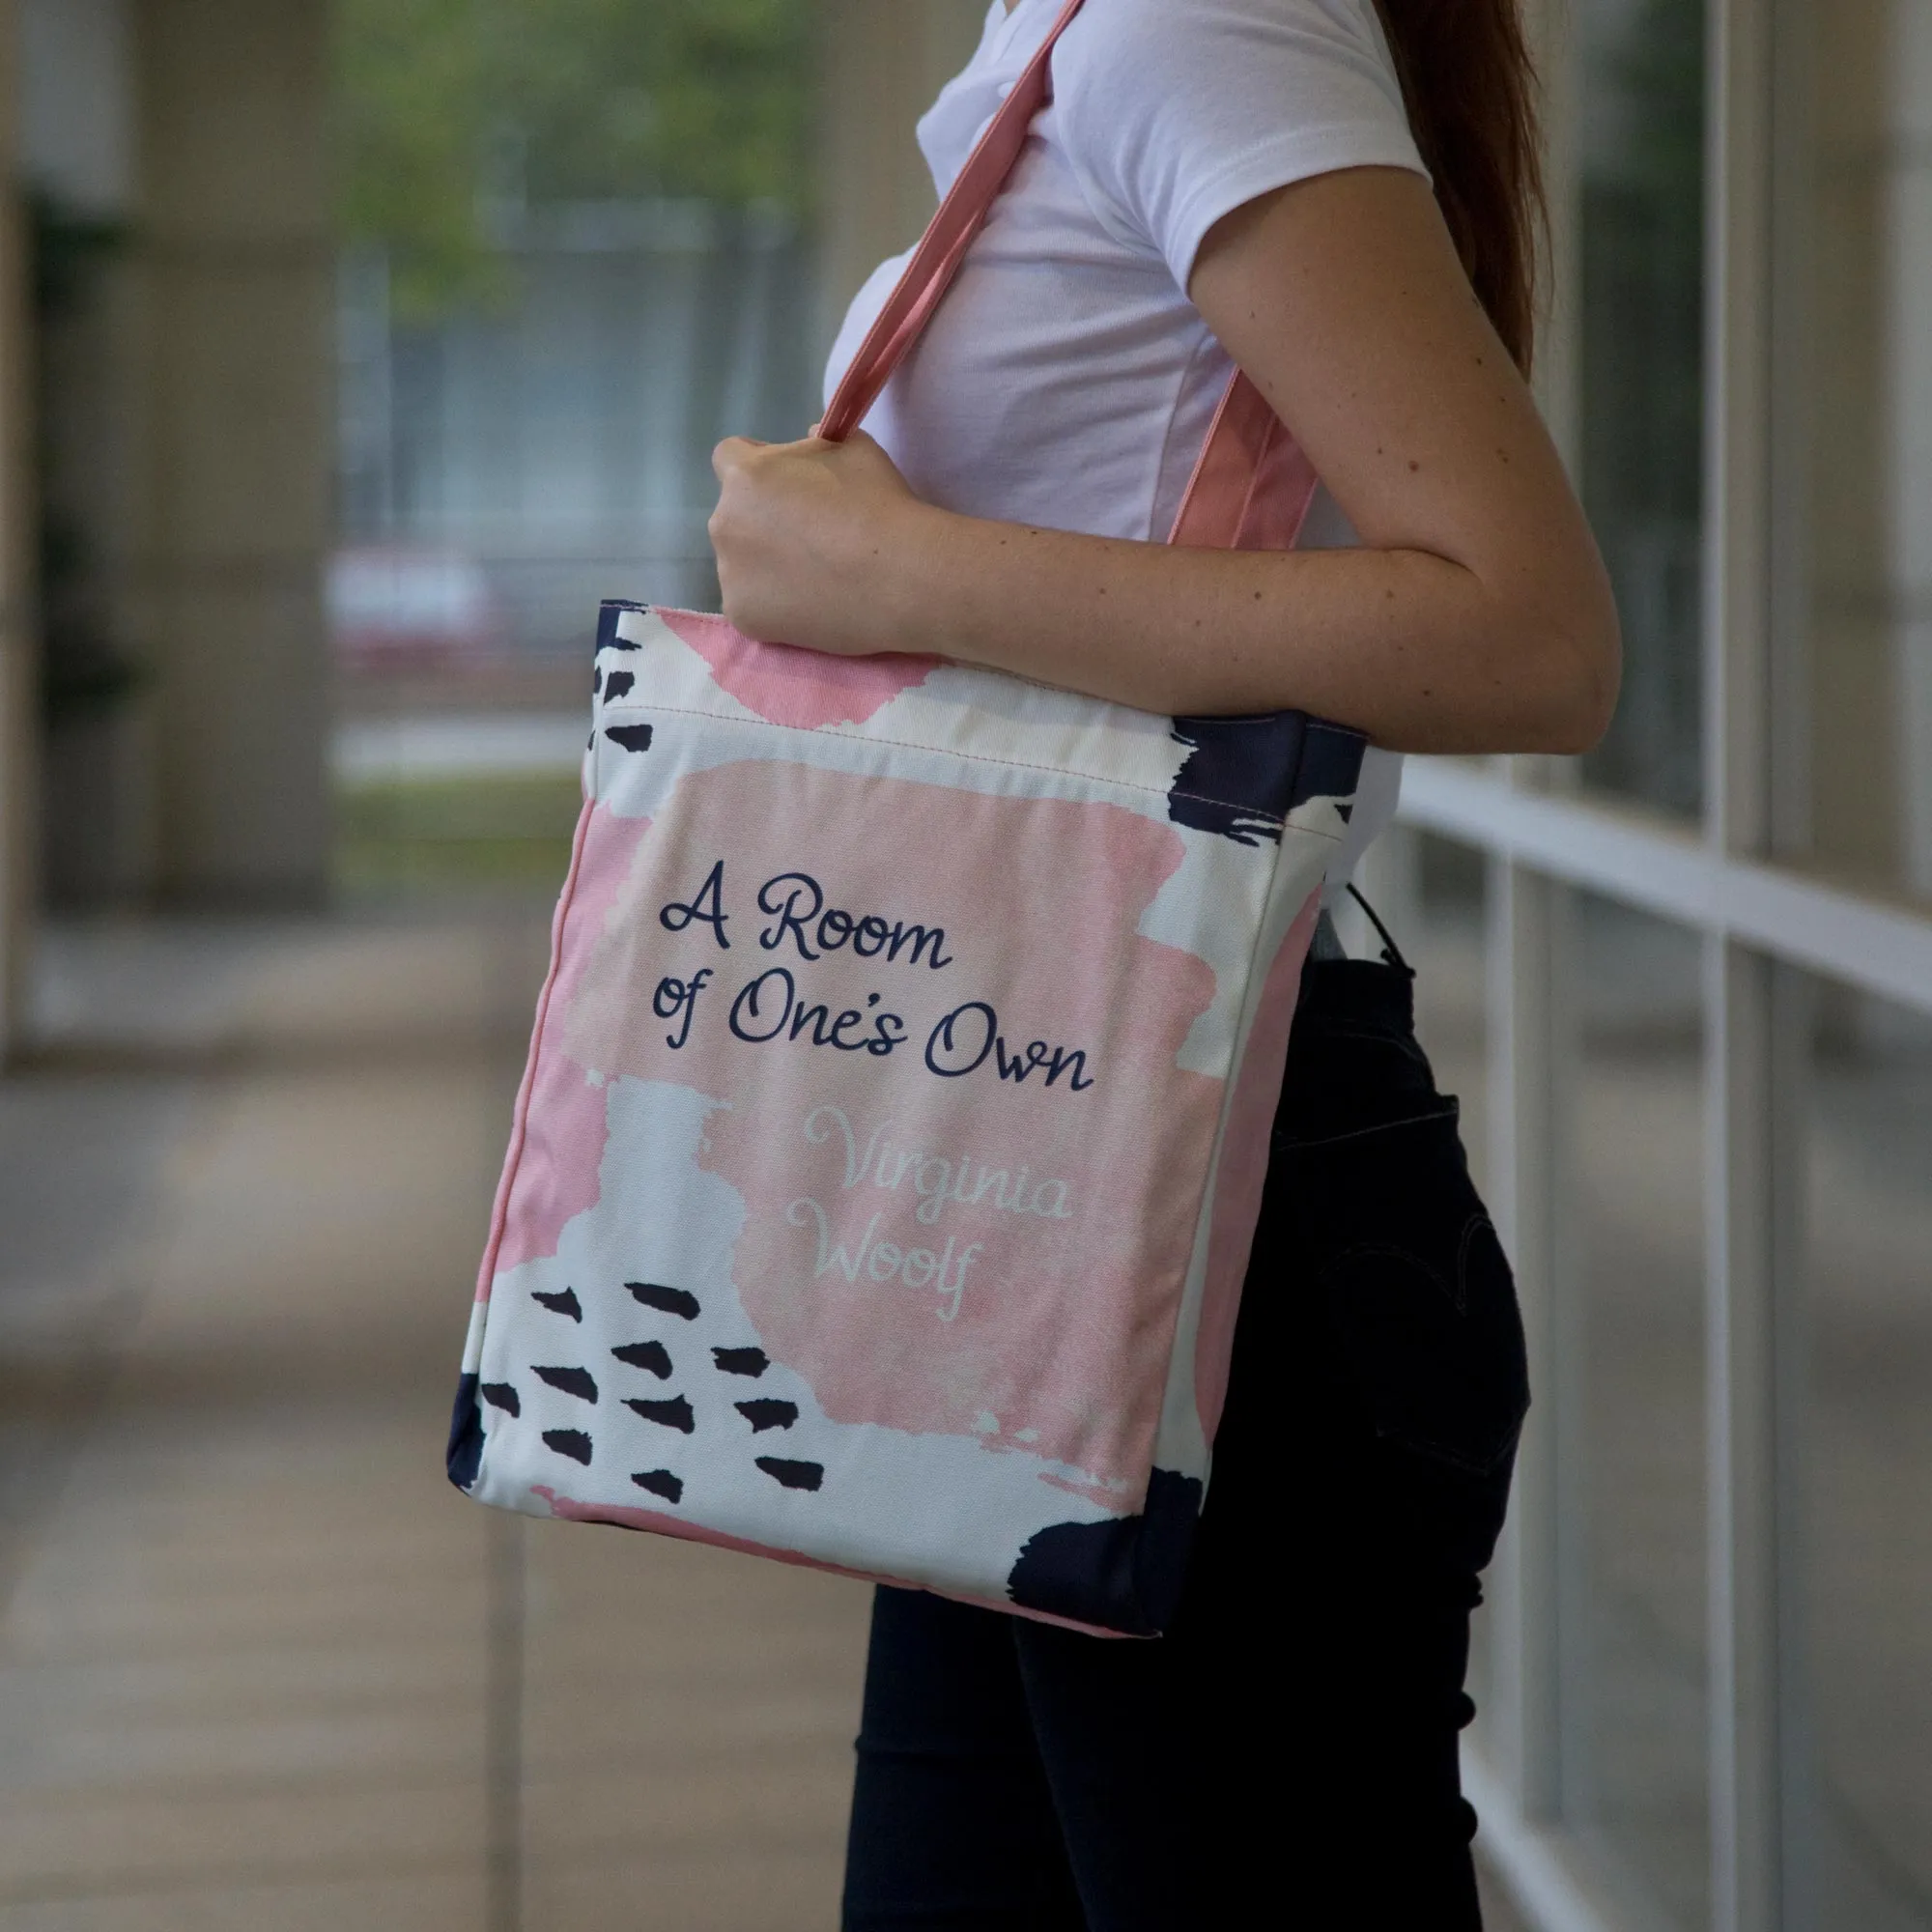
(1908, 349)
(76, 110)
(19, 681)
(234, 439)
(1868, 413)
(885, 59)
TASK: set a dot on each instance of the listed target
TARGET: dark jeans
(1287, 1755)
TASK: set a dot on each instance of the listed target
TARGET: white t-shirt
(1067, 380)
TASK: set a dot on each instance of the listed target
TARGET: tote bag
(885, 1170)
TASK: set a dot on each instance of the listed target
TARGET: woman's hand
(801, 531)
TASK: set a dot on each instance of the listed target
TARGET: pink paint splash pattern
(561, 1119)
(788, 686)
(978, 1254)
(1244, 1165)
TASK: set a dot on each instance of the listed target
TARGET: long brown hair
(1470, 90)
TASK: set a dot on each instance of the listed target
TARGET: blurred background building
(349, 352)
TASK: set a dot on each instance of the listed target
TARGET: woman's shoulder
(1171, 112)
(1212, 71)
(1150, 44)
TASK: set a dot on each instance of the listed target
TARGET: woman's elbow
(1578, 673)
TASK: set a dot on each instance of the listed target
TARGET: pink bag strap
(1253, 486)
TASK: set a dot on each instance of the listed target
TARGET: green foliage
(449, 107)
(1658, 71)
(84, 672)
(1643, 388)
(1643, 274)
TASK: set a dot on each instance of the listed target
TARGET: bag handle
(1253, 485)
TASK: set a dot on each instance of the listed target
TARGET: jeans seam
(1390, 1251)
(1449, 1110)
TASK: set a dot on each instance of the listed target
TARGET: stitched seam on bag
(985, 759)
(1204, 1202)
(527, 1097)
(978, 757)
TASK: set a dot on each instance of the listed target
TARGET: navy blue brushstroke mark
(676, 1301)
(572, 1382)
(571, 1443)
(672, 1414)
(660, 1483)
(1245, 774)
(465, 1456)
(500, 1395)
(1331, 763)
(1239, 776)
(565, 1303)
(741, 1361)
(651, 1356)
(620, 683)
(607, 639)
(792, 1475)
(632, 737)
(767, 1414)
(1125, 1575)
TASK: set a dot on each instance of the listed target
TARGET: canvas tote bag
(885, 1170)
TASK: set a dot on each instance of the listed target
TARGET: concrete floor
(260, 1667)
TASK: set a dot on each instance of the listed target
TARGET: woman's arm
(1478, 616)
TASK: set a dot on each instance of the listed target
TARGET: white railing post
(1747, 1152)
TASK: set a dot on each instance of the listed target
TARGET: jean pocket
(1390, 1226)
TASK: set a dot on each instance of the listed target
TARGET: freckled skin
(1504, 606)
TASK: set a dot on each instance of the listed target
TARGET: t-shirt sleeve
(1174, 113)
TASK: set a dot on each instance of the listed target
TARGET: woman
(1341, 199)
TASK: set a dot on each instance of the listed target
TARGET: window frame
(1765, 926)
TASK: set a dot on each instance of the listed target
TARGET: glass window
(577, 252)
(1858, 235)
(1865, 1435)
(1631, 1415)
(1641, 361)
